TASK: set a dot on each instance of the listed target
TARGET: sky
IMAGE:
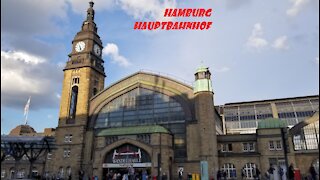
(256, 49)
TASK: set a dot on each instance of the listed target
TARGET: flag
(26, 108)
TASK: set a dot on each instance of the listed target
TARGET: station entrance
(126, 162)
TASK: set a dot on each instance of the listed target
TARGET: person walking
(313, 172)
(291, 172)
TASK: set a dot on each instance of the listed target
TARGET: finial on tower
(91, 3)
(90, 12)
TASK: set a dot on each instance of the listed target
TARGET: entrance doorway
(131, 174)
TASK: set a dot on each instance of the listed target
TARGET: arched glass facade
(145, 107)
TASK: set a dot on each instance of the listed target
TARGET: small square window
(271, 145)
(278, 145)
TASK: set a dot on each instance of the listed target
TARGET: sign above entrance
(127, 155)
(135, 165)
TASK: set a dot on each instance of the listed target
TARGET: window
(3, 173)
(21, 174)
(111, 139)
(249, 170)
(34, 172)
(147, 107)
(12, 172)
(144, 138)
(61, 172)
(49, 155)
(248, 147)
(66, 153)
(68, 170)
(226, 147)
(275, 145)
(271, 145)
(230, 170)
(95, 91)
(278, 145)
(68, 138)
(75, 80)
(73, 102)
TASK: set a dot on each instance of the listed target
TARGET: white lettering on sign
(119, 161)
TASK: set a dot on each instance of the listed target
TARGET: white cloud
(281, 43)
(146, 9)
(24, 75)
(317, 61)
(112, 50)
(256, 40)
(297, 7)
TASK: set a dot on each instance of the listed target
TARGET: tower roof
(202, 68)
(22, 130)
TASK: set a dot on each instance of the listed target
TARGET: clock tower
(83, 78)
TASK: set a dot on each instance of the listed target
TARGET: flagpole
(26, 109)
(26, 120)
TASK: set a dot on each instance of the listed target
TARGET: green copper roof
(271, 123)
(202, 69)
(133, 130)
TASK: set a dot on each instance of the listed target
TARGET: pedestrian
(270, 171)
(280, 172)
(164, 176)
(224, 174)
(144, 175)
(180, 173)
(313, 172)
(219, 175)
(257, 174)
(291, 172)
(243, 174)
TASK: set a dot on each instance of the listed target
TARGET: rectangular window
(68, 138)
(49, 156)
(248, 147)
(226, 147)
(245, 147)
(251, 147)
(278, 145)
(271, 145)
(66, 153)
(3, 173)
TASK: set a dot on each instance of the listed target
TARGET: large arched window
(249, 170)
(230, 169)
(142, 106)
(73, 102)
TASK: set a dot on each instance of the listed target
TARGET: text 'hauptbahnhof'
(149, 126)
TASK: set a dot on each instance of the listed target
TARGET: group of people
(129, 175)
(221, 175)
(270, 174)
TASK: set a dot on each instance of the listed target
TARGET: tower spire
(90, 11)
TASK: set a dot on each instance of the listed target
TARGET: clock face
(97, 50)
(80, 46)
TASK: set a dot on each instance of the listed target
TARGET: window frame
(273, 146)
